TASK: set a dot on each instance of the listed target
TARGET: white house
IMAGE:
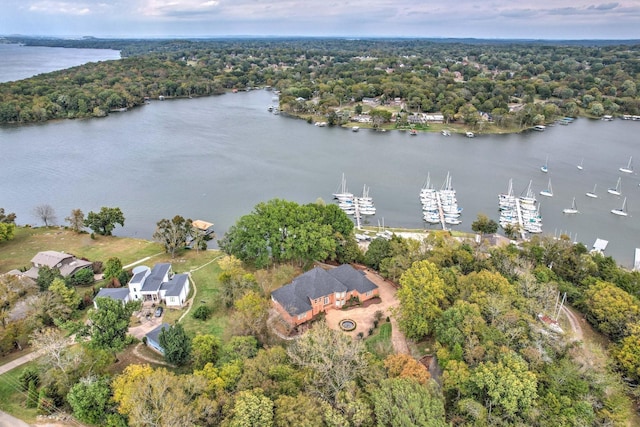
(157, 284)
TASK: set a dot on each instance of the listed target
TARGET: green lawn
(12, 397)
(18, 252)
(380, 342)
(205, 272)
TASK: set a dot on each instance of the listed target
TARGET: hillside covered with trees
(513, 85)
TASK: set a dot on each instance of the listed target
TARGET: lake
(20, 62)
(215, 158)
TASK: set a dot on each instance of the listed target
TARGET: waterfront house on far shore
(319, 290)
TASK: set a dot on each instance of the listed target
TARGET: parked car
(158, 312)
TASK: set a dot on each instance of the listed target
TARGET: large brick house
(319, 290)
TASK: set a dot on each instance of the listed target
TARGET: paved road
(7, 420)
(18, 362)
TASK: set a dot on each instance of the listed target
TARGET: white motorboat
(470, 134)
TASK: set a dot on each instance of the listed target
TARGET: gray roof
(119, 294)
(296, 296)
(154, 334)
(353, 279)
(50, 258)
(153, 282)
(174, 286)
(139, 276)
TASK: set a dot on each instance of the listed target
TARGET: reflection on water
(215, 158)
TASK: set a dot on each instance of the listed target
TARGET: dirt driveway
(363, 316)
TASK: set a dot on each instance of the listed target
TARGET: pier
(440, 211)
(520, 220)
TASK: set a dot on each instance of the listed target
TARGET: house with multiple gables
(67, 264)
(319, 290)
(156, 285)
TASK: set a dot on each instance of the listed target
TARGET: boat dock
(440, 211)
(600, 245)
(520, 220)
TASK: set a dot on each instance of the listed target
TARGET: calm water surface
(215, 158)
(19, 62)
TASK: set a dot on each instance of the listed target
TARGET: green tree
(204, 349)
(76, 220)
(299, 411)
(112, 269)
(90, 400)
(7, 231)
(378, 250)
(46, 275)
(68, 296)
(105, 221)
(484, 225)
(252, 409)
(108, 324)
(173, 233)
(176, 344)
(7, 218)
(404, 402)
(507, 387)
(421, 297)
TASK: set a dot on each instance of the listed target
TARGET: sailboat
(545, 168)
(342, 194)
(615, 191)
(573, 209)
(580, 165)
(549, 191)
(592, 194)
(622, 211)
(628, 168)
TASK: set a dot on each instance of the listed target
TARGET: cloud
(61, 8)
(607, 6)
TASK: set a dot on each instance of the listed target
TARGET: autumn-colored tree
(421, 296)
(250, 317)
(611, 309)
(331, 359)
(272, 372)
(252, 409)
(68, 296)
(76, 220)
(158, 397)
(405, 366)
(300, 411)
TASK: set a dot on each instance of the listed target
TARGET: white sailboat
(548, 191)
(628, 168)
(342, 193)
(580, 165)
(622, 211)
(615, 191)
(573, 209)
(545, 168)
(592, 194)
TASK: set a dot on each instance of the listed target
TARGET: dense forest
(473, 306)
(512, 85)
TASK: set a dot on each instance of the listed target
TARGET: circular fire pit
(347, 325)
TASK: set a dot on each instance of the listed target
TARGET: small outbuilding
(153, 337)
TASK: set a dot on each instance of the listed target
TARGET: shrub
(360, 335)
(28, 375)
(378, 315)
(370, 331)
(375, 323)
(202, 313)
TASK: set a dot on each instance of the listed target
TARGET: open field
(18, 252)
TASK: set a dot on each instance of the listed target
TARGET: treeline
(460, 80)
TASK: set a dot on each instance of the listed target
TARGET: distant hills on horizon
(463, 40)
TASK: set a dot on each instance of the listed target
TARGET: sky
(494, 19)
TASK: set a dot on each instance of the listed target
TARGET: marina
(297, 161)
(440, 206)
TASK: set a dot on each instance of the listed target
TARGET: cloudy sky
(539, 19)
